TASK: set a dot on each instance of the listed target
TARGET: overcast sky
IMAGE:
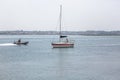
(78, 15)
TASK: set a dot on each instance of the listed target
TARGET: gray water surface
(92, 58)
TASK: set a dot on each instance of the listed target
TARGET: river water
(92, 58)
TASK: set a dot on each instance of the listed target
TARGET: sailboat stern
(63, 45)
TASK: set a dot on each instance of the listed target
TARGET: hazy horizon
(43, 15)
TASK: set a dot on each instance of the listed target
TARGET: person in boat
(66, 39)
(19, 40)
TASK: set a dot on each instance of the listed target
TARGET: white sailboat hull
(63, 45)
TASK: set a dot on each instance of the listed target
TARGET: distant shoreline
(84, 33)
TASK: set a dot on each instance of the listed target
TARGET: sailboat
(63, 42)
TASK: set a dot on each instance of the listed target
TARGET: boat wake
(7, 44)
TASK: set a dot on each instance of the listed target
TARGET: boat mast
(60, 20)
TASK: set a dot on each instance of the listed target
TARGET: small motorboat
(19, 42)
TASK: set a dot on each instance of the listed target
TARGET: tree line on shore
(86, 33)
